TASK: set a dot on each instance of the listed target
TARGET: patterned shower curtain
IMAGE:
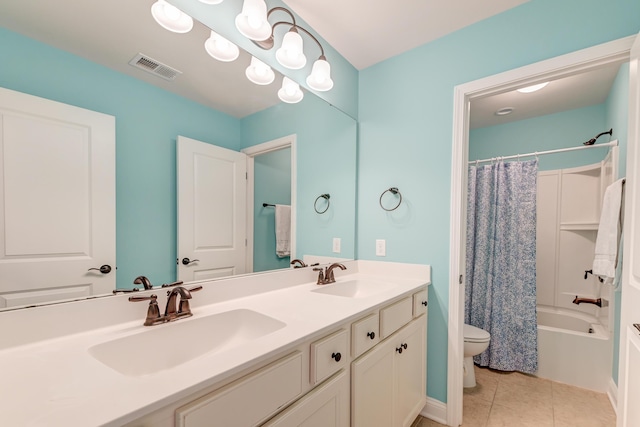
(501, 263)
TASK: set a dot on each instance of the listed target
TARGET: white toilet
(476, 341)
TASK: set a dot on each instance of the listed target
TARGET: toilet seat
(474, 334)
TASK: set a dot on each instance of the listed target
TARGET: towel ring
(315, 204)
(392, 190)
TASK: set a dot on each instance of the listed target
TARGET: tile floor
(512, 399)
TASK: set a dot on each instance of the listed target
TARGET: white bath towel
(283, 230)
(606, 253)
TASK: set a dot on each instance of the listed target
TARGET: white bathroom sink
(168, 345)
(354, 288)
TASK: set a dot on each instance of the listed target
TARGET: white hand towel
(604, 263)
(283, 230)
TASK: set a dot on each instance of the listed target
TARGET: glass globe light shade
(320, 77)
(252, 21)
(290, 91)
(220, 48)
(290, 54)
(170, 17)
(259, 73)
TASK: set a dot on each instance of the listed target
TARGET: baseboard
(612, 392)
(435, 410)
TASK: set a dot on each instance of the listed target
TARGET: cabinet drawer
(420, 303)
(365, 333)
(395, 316)
(329, 355)
(327, 405)
(249, 400)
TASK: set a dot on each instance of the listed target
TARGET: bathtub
(573, 348)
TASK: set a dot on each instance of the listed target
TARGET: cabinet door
(326, 406)
(372, 385)
(410, 372)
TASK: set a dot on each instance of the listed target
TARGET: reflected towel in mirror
(283, 230)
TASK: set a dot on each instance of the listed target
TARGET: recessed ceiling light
(533, 88)
(504, 111)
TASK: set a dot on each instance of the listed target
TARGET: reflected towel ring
(315, 204)
(392, 190)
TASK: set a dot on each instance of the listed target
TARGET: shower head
(593, 140)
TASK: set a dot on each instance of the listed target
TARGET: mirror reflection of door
(57, 201)
(212, 211)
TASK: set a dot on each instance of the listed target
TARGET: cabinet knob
(371, 335)
(401, 348)
(424, 303)
(336, 356)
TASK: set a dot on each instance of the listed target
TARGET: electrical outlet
(381, 247)
(336, 245)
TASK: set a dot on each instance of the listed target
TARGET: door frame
(561, 66)
(289, 141)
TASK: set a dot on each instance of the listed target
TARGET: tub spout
(579, 300)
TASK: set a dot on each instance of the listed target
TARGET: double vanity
(271, 349)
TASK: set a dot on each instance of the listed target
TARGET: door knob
(187, 261)
(105, 269)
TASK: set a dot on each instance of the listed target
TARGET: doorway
(552, 69)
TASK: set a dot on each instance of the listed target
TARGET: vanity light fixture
(290, 91)
(533, 88)
(171, 18)
(253, 23)
(220, 48)
(259, 72)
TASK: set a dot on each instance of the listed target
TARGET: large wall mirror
(78, 53)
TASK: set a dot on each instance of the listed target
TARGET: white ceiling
(363, 31)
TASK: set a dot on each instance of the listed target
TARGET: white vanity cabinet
(370, 372)
(388, 383)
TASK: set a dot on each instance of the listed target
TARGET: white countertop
(57, 382)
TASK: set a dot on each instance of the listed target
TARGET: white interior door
(629, 374)
(212, 210)
(57, 200)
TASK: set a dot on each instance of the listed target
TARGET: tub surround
(53, 378)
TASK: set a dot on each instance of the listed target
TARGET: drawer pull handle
(336, 356)
(371, 335)
(424, 303)
(402, 347)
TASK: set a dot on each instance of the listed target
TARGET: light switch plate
(336, 245)
(381, 247)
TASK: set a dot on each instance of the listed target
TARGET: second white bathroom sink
(169, 345)
(355, 288)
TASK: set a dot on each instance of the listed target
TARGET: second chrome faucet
(173, 311)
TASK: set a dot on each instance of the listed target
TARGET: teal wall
(617, 107)
(147, 122)
(406, 119)
(325, 158)
(561, 130)
(272, 184)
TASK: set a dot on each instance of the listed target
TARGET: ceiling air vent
(154, 67)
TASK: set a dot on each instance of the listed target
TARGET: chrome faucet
(183, 310)
(298, 263)
(142, 280)
(170, 312)
(327, 276)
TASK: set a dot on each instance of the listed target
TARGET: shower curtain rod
(613, 143)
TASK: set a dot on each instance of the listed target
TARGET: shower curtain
(501, 263)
